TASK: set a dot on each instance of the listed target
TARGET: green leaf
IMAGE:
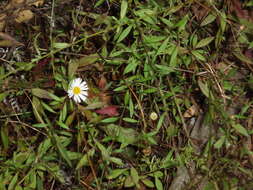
(135, 176)
(72, 68)
(198, 55)
(204, 42)
(63, 125)
(13, 182)
(116, 173)
(239, 128)
(204, 89)
(40, 125)
(62, 150)
(60, 45)
(120, 88)
(110, 120)
(125, 33)
(209, 19)
(158, 184)
(4, 137)
(32, 179)
(163, 69)
(104, 151)
(173, 58)
(162, 47)
(98, 3)
(122, 135)
(84, 160)
(181, 24)
(3, 96)
(41, 93)
(129, 182)
(47, 107)
(123, 9)
(220, 142)
(117, 161)
(131, 67)
(242, 57)
(130, 120)
(148, 183)
(64, 112)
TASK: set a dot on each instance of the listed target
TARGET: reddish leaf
(109, 110)
(102, 82)
(240, 12)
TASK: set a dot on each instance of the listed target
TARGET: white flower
(78, 90)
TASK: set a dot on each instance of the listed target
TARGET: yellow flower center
(76, 90)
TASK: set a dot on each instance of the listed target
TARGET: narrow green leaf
(63, 125)
(149, 91)
(130, 67)
(3, 96)
(163, 69)
(116, 173)
(120, 88)
(117, 161)
(135, 176)
(110, 120)
(204, 42)
(220, 142)
(13, 182)
(173, 58)
(72, 68)
(123, 9)
(98, 3)
(158, 184)
(163, 46)
(62, 151)
(60, 45)
(209, 19)
(130, 120)
(198, 55)
(84, 160)
(239, 128)
(4, 137)
(41, 93)
(204, 89)
(148, 183)
(47, 107)
(40, 125)
(125, 33)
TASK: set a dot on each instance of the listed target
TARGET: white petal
(78, 98)
(78, 81)
(84, 88)
(84, 84)
(84, 93)
(75, 99)
(82, 97)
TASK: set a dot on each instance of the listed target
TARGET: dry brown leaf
(190, 112)
(2, 21)
(38, 3)
(8, 41)
(24, 16)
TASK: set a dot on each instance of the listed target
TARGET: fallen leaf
(8, 41)
(38, 3)
(102, 82)
(109, 110)
(2, 21)
(190, 112)
(24, 16)
(104, 97)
